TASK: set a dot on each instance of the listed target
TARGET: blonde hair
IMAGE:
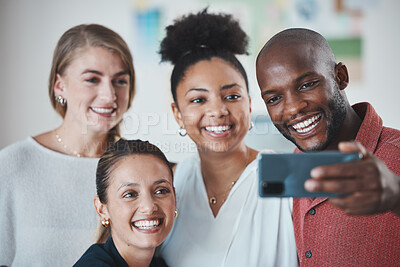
(75, 40)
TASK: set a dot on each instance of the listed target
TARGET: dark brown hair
(196, 37)
(117, 151)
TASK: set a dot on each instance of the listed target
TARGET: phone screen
(283, 175)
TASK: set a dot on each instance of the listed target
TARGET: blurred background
(363, 34)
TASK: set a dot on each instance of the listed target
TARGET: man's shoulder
(388, 149)
(391, 137)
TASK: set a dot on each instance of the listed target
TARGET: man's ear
(101, 209)
(59, 86)
(342, 75)
(177, 114)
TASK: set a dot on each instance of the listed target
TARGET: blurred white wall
(30, 29)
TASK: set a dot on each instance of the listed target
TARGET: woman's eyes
(162, 191)
(92, 80)
(130, 195)
(232, 97)
(198, 100)
(121, 82)
(202, 99)
(118, 82)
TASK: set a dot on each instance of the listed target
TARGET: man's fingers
(331, 186)
(346, 169)
(358, 203)
(353, 182)
(349, 147)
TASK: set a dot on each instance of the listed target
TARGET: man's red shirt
(326, 236)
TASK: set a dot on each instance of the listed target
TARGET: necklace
(213, 199)
(60, 141)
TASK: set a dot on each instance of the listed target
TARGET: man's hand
(369, 185)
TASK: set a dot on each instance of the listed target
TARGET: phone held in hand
(283, 175)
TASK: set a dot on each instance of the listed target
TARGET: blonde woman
(47, 181)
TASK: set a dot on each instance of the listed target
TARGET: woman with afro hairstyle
(222, 221)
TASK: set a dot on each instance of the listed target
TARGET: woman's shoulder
(188, 163)
(96, 255)
(104, 255)
(17, 149)
(27, 150)
(188, 166)
(266, 151)
(185, 172)
(158, 262)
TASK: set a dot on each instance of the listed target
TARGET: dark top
(107, 255)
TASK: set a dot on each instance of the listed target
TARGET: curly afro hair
(203, 30)
(201, 36)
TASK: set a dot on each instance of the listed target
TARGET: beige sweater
(47, 216)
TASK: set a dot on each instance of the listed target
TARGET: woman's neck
(77, 142)
(224, 164)
(139, 259)
(221, 170)
(134, 256)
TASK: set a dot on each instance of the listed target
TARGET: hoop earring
(61, 100)
(251, 125)
(105, 222)
(182, 132)
(176, 213)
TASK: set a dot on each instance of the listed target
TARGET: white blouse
(247, 231)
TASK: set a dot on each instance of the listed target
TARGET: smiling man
(303, 89)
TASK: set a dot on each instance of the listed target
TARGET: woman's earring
(251, 125)
(182, 132)
(105, 222)
(61, 100)
(176, 213)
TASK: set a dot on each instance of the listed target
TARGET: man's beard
(337, 108)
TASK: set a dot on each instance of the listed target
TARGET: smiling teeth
(103, 110)
(217, 129)
(147, 224)
(307, 125)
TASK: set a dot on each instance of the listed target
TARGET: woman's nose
(107, 92)
(147, 204)
(217, 108)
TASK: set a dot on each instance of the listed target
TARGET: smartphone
(283, 175)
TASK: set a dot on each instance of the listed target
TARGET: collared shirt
(326, 236)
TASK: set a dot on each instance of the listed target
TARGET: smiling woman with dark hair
(222, 221)
(136, 202)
